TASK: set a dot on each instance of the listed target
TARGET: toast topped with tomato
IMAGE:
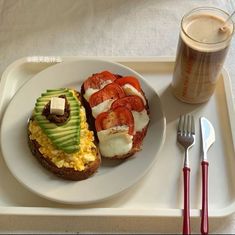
(118, 111)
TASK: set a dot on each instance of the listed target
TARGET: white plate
(111, 179)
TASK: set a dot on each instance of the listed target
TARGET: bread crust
(63, 172)
(137, 138)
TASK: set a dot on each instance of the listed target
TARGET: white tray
(160, 192)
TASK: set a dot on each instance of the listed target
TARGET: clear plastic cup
(202, 49)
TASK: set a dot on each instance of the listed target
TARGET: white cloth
(100, 28)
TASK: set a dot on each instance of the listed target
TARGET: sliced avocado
(47, 99)
(39, 117)
(58, 89)
(65, 138)
(47, 123)
(55, 134)
(55, 92)
(74, 112)
(58, 129)
(67, 135)
(38, 110)
(42, 103)
(68, 142)
(71, 149)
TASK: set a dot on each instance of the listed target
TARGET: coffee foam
(202, 32)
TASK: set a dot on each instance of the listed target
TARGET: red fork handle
(204, 215)
(186, 214)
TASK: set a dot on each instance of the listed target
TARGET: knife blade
(208, 138)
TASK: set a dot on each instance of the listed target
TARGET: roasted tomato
(98, 79)
(110, 91)
(129, 80)
(132, 102)
(118, 75)
(115, 117)
(138, 138)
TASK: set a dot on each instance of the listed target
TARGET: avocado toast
(60, 137)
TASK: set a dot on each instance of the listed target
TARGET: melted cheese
(102, 107)
(115, 141)
(141, 119)
(130, 90)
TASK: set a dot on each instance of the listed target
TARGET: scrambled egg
(78, 160)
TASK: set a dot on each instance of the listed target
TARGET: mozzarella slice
(102, 107)
(117, 130)
(115, 141)
(91, 91)
(141, 119)
(104, 83)
(130, 90)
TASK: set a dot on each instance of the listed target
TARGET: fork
(186, 138)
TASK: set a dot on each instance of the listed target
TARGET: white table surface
(99, 28)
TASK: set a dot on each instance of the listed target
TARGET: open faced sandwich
(118, 111)
(59, 136)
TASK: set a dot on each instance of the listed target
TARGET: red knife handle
(204, 215)
(186, 214)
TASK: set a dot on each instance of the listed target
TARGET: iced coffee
(202, 48)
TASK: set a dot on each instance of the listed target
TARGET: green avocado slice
(66, 136)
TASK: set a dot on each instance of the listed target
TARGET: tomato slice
(132, 102)
(118, 75)
(129, 80)
(110, 91)
(115, 117)
(97, 79)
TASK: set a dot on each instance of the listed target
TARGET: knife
(208, 138)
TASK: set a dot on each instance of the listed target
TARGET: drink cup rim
(206, 8)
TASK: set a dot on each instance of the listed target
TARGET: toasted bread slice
(64, 171)
(137, 138)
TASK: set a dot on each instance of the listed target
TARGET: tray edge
(11, 210)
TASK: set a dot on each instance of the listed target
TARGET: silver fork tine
(188, 124)
(192, 126)
(185, 125)
(180, 125)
